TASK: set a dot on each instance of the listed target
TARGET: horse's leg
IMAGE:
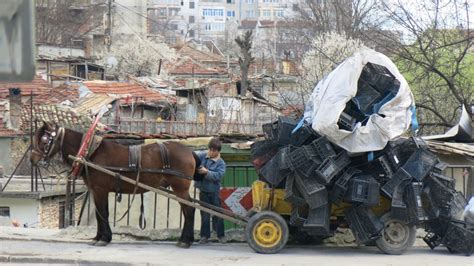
(104, 233)
(187, 234)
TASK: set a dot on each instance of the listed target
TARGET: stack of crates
(365, 225)
(363, 189)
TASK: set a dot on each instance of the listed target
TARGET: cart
(266, 224)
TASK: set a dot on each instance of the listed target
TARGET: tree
(59, 22)
(245, 59)
(435, 55)
(139, 57)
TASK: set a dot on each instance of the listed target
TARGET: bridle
(50, 139)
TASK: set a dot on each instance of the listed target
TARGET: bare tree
(245, 59)
(58, 22)
(435, 55)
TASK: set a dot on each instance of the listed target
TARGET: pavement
(55, 246)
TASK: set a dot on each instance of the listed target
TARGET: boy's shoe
(222, 240)
(203, 240)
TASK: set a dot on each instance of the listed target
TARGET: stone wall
(49, 210)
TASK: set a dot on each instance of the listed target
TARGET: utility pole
(109, 25)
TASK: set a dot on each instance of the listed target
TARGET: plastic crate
(284, 127)
(271, 171)
(303, 136)
(364, 224)
(296, 217)
(437, 226)
(269, 130)
(341, 185)
(363, 189)
(378, 76)
(458, 238)
(432, 240)
(314, 193)
(323, 148)
(456, 206)
(389, 188)
(303, 161)
(317, 223)
(449, 182)
(262, 148)
(292, 193)
(366, 97)
(439, 167)
(347, 122)
(420, 164)
(330, 167)
(411, 209)
(437, 198)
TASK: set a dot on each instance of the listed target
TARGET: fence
(182, 127)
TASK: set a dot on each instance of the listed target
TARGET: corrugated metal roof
(465, 149)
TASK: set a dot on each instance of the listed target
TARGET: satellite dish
(111, 62)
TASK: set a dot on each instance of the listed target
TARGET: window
(266, 13)
(191, 33)
(162, 12)
(191, 5)
(211, 12)
(191, 19)
(249, 14)
(173, 26)
(214, 26)
(279, 13)
(231, 13)
(5, 211)
(230, 1)
(250, 1)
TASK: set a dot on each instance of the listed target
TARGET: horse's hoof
(93, 242)
(183, 245)
(101, 243)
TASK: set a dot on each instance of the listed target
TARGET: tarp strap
(414, 120)
(370, 156)
(300, 124)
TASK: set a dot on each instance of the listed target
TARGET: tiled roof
(126, 89)
(38, 87)
(188, 66)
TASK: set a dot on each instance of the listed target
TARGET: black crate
(303, 136)
(366, 97)
(437, 198)
(378, 76)
(389, 188)
(262, 148)
(410, 207)
(456, 206)
(313, 192)
(437, 226)
(272, 172)
(364, 224)
(323, 148)
(341, 185)
(363, 189)
(317, 223)
(269, 130)
(420, 164)
(439, 167)
(330, 167)
(448, 181)
(292, 194)
(297, 218)
(303, 160)
(347, 122)
(432, 240)
(458, 238)
(284, 127)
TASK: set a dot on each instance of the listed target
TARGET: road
(165, 253)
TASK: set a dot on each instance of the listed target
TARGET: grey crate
(313, 192)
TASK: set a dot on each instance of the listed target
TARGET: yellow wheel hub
(267, 233)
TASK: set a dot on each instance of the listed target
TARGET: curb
(46, 260)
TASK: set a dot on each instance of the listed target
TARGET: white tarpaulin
(331, 94)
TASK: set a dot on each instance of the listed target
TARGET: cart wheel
(266, 232)
(396, 237)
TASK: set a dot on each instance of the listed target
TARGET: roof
(188, 66)
(464, 149)
(126, 90)
(199, 55)
(92, 103)
(248, 24)
(38, 87)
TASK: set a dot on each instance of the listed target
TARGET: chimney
(15, 107)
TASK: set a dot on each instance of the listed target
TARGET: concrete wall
(13, 149)
(5, 155)
(49, 211)
(25, 211)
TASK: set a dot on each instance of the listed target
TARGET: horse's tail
(197, 176)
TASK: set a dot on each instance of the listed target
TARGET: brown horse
(50, 140)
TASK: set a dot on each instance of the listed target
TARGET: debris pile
(405, 178)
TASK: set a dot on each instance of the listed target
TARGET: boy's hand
(202, 170)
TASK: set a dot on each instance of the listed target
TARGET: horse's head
(47, 141)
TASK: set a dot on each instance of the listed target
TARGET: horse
(50, 140)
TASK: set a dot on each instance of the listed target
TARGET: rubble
(317, 173)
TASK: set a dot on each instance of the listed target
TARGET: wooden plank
(240, 220)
